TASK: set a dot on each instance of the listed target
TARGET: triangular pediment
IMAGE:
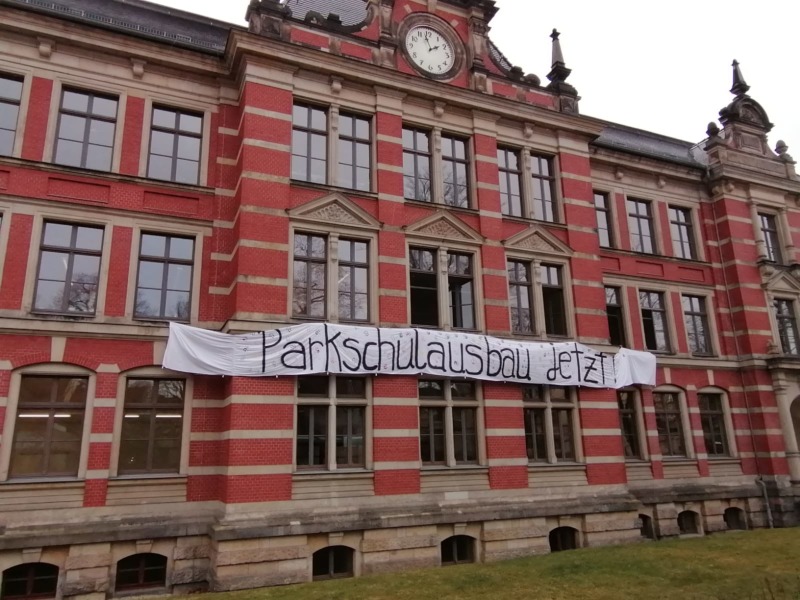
(539, 241)
(782, 281)
(336, 209)
(443, 226)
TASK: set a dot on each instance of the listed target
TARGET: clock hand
(435, 48)
(427, 41)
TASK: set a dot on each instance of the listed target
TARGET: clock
(430, 51)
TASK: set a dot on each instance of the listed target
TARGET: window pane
(164, 118)
(75, 101)
(10, 89)
(191, 123)
(98, 158)
(104, 107)
(68, 153)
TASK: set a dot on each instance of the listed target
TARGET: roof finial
(558, 56)
(740, 86)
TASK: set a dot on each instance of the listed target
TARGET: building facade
(371, 163)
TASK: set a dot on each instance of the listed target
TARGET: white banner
(346, 350)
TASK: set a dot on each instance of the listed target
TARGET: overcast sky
(661, 66)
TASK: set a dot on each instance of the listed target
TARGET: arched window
(141, 571)
(333, 562)
(735, 518)
(647, 529)
(457, 550)
(689, 522)
(563, 538)
(30, 580)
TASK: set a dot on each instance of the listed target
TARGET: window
(28, 581)
(416, 164)
(654, 321)
(712, 416)
(696, 319)
(164, 285)
(735, 518)
(10, 96)
(647, 530)
(563, 538)
(543, 189)
(310, 144)
(353, 280)
(49, 426)
(448, 422)
(787, 325)
(152, 426)
(310, 275)
(462, 290)
(520, 296)
(510, 181)
(354, 153)
(669, 424)
(175, 145)
(69, 268)
(141, 571)
(458, 550)
(555, 312)
(616, 319)
(86, 127)
(680, 225)
(772, 241)
(334, 562)
(629, 423)
(688, 522)
(602, 210)
(549, 427)
(455, 162)
(331, 422)
(424, 287)
(640, 223)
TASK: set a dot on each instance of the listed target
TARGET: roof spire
(558, 56)
(740, 86)
(559, 71)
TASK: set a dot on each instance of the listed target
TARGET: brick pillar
(505, 436)
(117, 286)
(37, 118)
(16, 262)
(132, 136)
(697, 439)
(602, 438)
(653, 447)
(101, 433)
(395, 435)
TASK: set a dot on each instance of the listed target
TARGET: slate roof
(653, 145)
(351, 12)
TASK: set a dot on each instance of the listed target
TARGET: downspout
(760, 479)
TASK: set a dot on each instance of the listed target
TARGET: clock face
(430, 51)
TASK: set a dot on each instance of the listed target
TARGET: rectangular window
(555, 312)
(629, 424)
(602, 209)
(424, 287)
(544, 189)
(680, 226)
(176, 138)
(549, 429)
(696, 320)
(86, 126)
(508, 163)
(669, 424)
(455, 163)
(49, 426)
(152, 426)
(310, 275)
(416, 164)
(10, 96)
(353, 280)
(787, 326)
(654, 321)
(520, 297)
(712, 416)
(640, 223)
(69, 269)
(355, 142)
(616, 319)
(331, 422)
(444, 403)
(460, 283)
(309, 144)
(772, 240)
(164, 284)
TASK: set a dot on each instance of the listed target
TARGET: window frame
(637, 233)
(682, 232)
(21, 104)
(454, 161)
(88, 116)
(72, 251)
(692, 317)
(536, 261)
(141, 569)
(355, 141)
(665, 311)
(684, 434)
(508, 173)
(786, 321)
(723, 425)
(770, 228)
(622, 329)
(639, 434)
(449, 404)
(29, 579)
(538, 398)
(309, 130)
(543, 182)
(522, 289)
(604, 217)
(332, 401)
(418, 156)
(177, 132)
(167, 261)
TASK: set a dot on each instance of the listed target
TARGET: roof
(351, 12)
(653, 145)
(140, 18)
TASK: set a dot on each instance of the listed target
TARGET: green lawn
(762, 565)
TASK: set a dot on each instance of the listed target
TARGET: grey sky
(661, 66)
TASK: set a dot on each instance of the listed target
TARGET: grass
(754, 565)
